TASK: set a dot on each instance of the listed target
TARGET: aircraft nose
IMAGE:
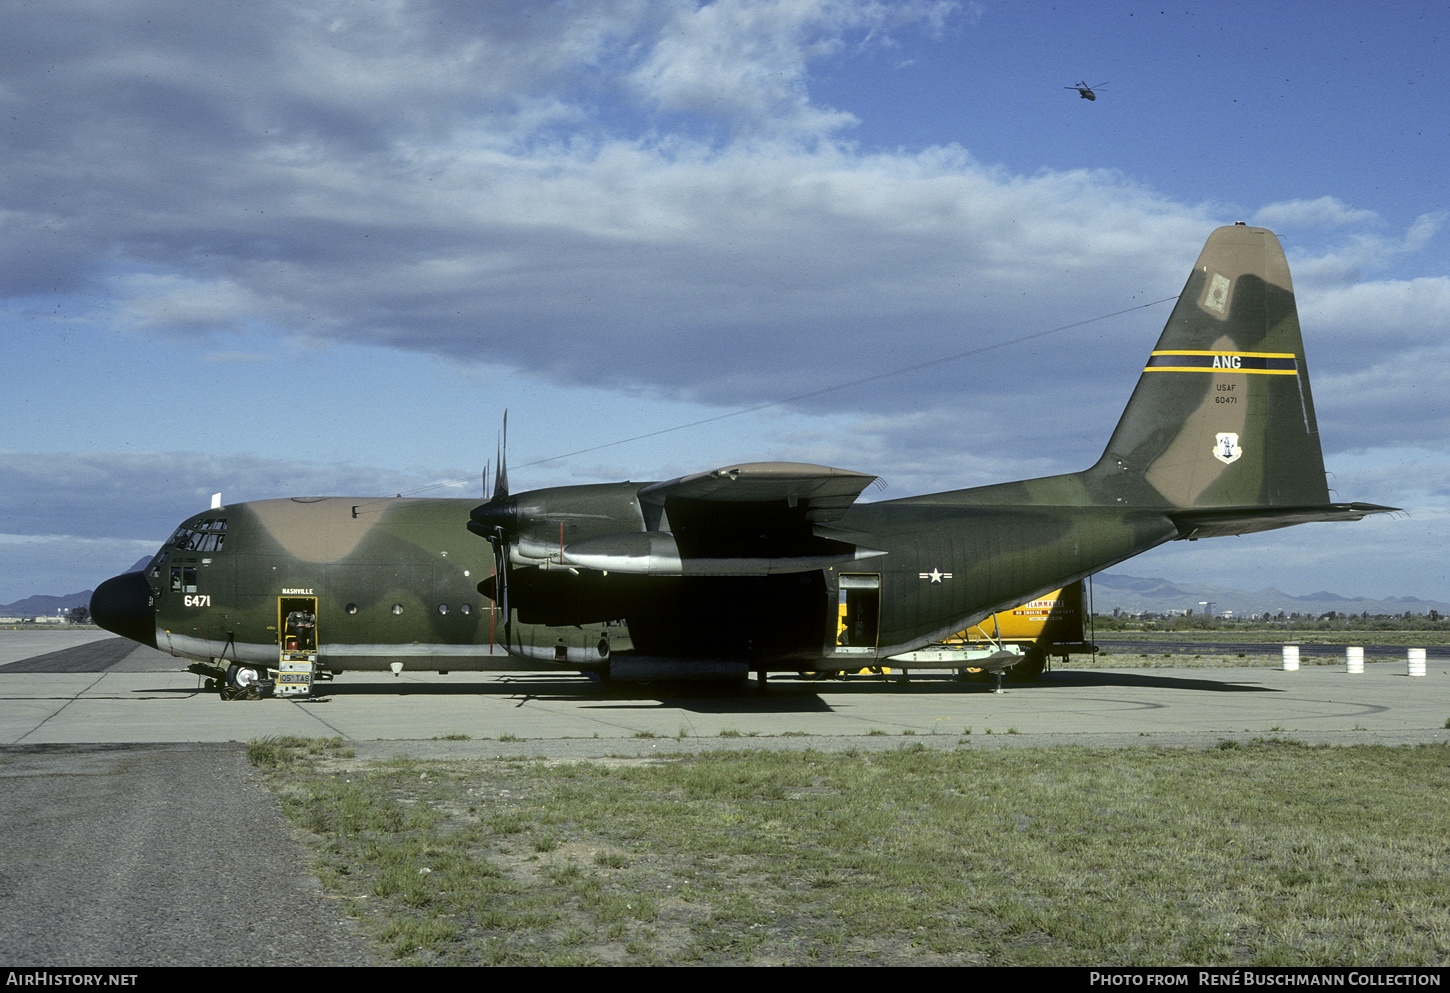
(124, 605)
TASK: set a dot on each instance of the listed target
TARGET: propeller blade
(501, 572)
(498, 513)
(492, 521)
(501, 484)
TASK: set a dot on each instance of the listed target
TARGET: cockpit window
(206, 535)
(183, 579)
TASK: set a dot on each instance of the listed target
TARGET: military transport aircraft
(754, 567)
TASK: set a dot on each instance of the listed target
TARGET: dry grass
(1272, 853)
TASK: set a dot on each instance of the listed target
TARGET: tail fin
(1221, 426)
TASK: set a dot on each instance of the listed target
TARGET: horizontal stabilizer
(1249, 520)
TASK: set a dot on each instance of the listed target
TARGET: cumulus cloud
(68, 494)
(395, 176)
(1322, 212)
(1364, 405)
(1349, 259)
(1365, 320)
(746, 62)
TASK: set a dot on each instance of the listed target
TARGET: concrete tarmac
(141, 695)
(156, 855)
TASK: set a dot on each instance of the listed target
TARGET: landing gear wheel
(242, 683)
(1028, 669)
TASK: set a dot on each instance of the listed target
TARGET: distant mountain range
(45, 606)
(40, 605)
(1110, 591)
(1137, 594)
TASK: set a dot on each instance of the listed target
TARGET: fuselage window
(443, 608)
(397, 608)
(351, 608)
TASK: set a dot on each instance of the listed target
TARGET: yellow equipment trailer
(1015, 642)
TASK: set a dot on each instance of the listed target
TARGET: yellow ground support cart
(1016, 642)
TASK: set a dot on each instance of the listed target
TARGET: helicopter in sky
(1085, 91)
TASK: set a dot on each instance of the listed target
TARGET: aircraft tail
(1221, 429)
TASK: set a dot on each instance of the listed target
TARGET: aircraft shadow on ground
(784, 694)
(780, 696)
(1069, 678)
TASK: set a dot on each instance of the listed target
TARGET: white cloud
(396, 176)
(1367, 321)
(746, 62)
(174, 302)
(1323, 212)
(1358, 253)
(72, 494)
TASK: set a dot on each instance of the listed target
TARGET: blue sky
(320, 247)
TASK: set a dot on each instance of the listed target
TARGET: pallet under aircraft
(756, 567)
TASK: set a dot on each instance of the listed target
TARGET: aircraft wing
(749, 519)
(825, 492)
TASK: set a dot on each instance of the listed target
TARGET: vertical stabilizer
(1222, 416)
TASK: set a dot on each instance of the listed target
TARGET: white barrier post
(1416, 665)
(1291, 658)
(1354, 660)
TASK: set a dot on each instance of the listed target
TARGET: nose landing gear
(243, 682)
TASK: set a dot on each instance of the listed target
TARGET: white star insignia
(936, 575)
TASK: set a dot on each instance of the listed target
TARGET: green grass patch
(270, 752)
(1262, 853)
